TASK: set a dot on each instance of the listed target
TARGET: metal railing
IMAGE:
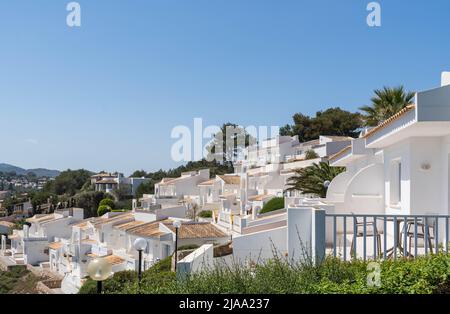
(392, 236)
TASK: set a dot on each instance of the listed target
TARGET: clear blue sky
(106, 95)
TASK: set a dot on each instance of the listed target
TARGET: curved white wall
(365, 191)
(337, 187)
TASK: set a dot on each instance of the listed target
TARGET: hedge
(274, 204)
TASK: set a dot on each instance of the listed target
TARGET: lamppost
(140, 245)
(99, 269)
(177, 225)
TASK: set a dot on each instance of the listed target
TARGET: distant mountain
(40, 172)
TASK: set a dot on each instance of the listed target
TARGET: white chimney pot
(445, 78)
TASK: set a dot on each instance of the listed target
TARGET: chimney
(26, 231)
(445, 78)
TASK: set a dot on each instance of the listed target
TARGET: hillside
(40, 172)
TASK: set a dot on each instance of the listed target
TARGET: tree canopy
(68, 182)
(333, 121)
(230, 148)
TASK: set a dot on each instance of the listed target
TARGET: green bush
(125, 204)
(107, 202)
(126, 281)
(111, 285)
(9, 279)
(188, 247)
(274, 204)
(103, 209)
(423, 275)
(205, 214)
(311, 154)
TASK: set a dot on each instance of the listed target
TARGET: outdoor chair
(421, 231)
(371, 231)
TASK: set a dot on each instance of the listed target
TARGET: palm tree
(386, 102)
(311, 180)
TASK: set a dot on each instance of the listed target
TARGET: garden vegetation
(424, 275)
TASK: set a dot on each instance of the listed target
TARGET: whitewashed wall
(259, 244)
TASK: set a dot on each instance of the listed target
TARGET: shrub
(274, 204)
(205, 214)
(188, 247)
(9, 279)
(310, 154)
(89, 200)
(107, 202)
(114, 284)
(103, 209)
(125, 204)
(422, 275)
(126, 281)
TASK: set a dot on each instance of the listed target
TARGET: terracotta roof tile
(116, 218)
(233, 179)
(390, 120)
(41, 218)
(112, 259)
(6, 224)
(150, 229)
(55, 245)
(208, 182)
(259, 197)
(341, 152)
(193, 230)
(128, 225)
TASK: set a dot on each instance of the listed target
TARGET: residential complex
(392, 199)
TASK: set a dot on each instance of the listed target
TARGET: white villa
(392, 200)
(263, 174)
(184, 186)
(30, 245)
(402, 166)
(112, 235)
(108, 182)
(398, 171)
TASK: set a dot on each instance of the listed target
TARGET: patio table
(398, 240)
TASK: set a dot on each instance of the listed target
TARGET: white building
(112, 237)
(108, 183)
(398, 171)
(183, 186)
(30, 245)
(402, 165)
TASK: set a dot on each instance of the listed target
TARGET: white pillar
(3, 243)
(306, 233)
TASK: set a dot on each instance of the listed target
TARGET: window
(395, 183)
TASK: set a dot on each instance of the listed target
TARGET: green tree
(103, 209)
(333, 121)
(310, 180)
(107, 202)
(42, 197)
(89, 201)
(68, 182)
(145, 188)
(138, 174)
(230, 148)
(386, 102)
